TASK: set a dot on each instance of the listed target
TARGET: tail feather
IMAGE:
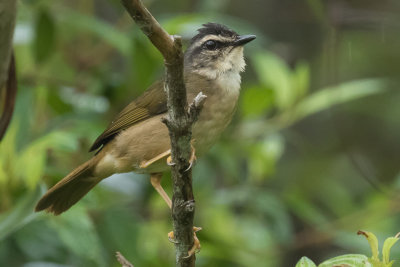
(69, 190)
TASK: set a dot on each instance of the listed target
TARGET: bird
(137, 140)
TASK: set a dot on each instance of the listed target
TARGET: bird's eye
(211, 44)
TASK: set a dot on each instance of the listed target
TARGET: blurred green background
(312, 156)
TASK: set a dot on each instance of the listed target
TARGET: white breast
(217, 111)
(229, 82)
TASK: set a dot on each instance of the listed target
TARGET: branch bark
(9, 99)
(179, 122)
(8, 10)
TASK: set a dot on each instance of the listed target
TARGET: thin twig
(150, 27)
(121, 259)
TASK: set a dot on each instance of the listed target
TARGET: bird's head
(216, 50)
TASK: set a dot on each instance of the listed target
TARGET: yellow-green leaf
(373, 243)
(305, 262)
(353, 260)
(256, 101)
(335, 95)
(275, 74)
(387, 245)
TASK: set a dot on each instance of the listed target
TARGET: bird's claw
(171, 238)
(192, 159)
(196, 243)
(170, 162)
(190, 166)
(197, 229)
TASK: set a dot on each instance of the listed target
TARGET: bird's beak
(243, 39)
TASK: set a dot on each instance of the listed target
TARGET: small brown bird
(136, 140)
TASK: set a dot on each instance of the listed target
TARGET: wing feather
(151, 103)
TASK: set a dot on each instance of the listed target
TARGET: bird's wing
(151, 103)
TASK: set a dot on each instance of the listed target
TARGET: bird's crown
(213, 29)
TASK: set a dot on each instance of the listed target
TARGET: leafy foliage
(311, 156)
(358, 260)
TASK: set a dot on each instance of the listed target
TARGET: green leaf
(305, 262)
(264, 155)
(373, 243)
(256, 101)
(275, 74)
(301, 79)
(353, 260)
(387, 245)
(8, 154)
(331, 96)
(60, 140)
(301, 205)
(20, 214)
(44, 41)
(76, 230)
(33, 157)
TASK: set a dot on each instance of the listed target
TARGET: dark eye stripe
(200, 46)
(214, 44)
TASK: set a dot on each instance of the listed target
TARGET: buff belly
(126, 151)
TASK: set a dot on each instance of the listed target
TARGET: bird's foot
(192, 159)
(169, 161)
(196, 243)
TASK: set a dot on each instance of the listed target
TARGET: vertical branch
(180, 135)
(8, 10)
(9, 100)
(179, 122)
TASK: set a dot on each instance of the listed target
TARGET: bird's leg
(196, 243)
(147, 163)
(192, 156)
(155, 179)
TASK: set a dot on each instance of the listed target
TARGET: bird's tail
(69, 190)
